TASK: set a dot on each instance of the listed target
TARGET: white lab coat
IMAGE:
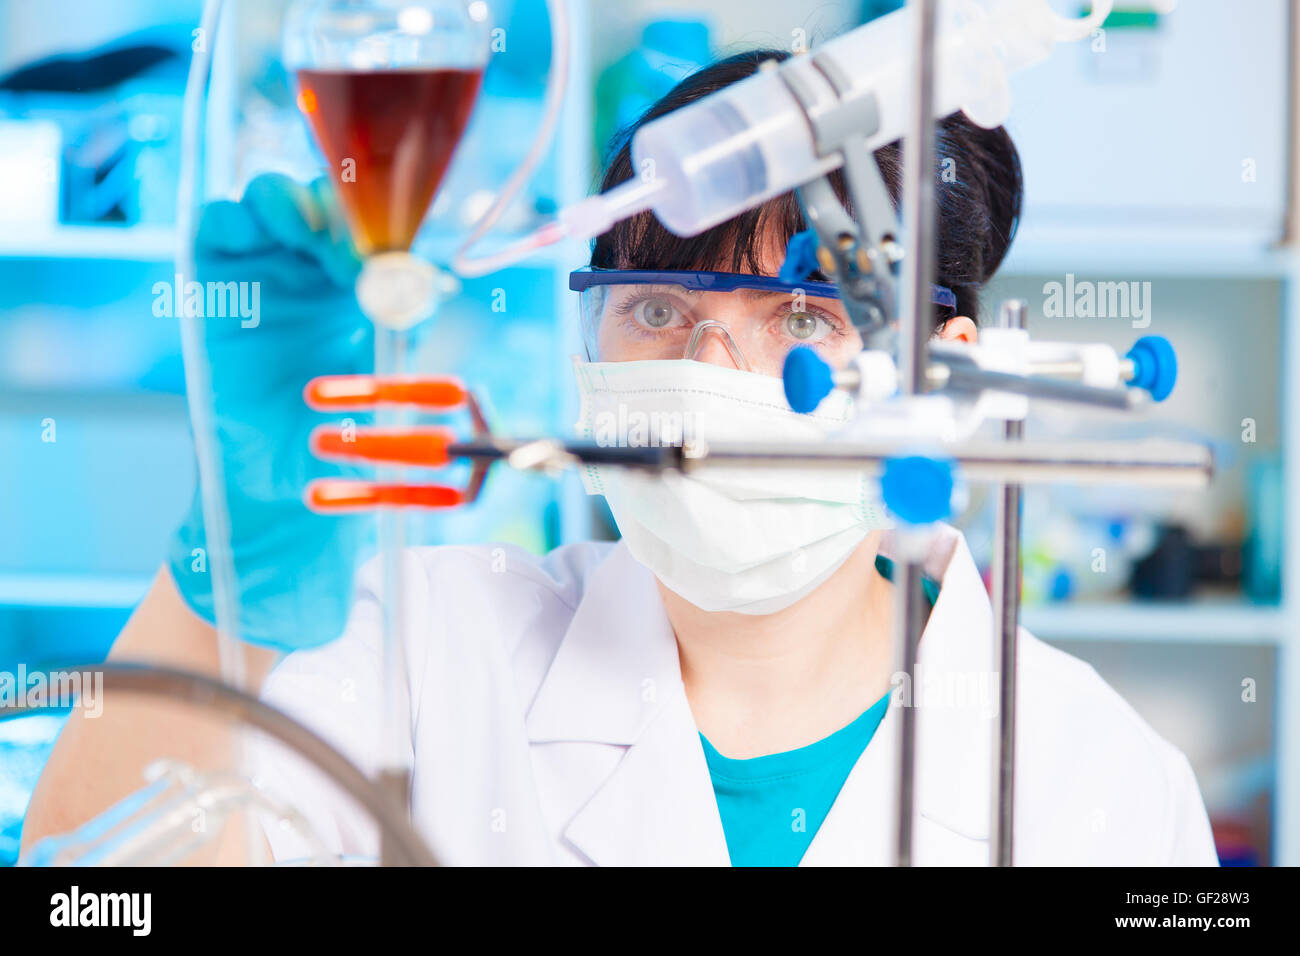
(549, 725)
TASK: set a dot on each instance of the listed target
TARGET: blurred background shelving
(131, 243)
(86, 516)
(1142, 165)
(1192, 611)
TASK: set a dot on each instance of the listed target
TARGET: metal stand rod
(1156, 464)
(914, 332)
(918, 205)
(1006, 623)
(974, 379)
(910, 613)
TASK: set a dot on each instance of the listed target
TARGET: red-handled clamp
(421, 446)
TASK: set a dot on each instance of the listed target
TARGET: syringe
(734, 149)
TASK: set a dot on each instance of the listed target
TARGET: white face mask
(726, 539)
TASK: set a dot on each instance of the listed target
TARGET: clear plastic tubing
(734, 149)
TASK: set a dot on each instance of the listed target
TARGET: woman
(712, 689)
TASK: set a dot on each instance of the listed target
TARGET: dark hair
(978, 200)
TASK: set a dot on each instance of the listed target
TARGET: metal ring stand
(403, 846)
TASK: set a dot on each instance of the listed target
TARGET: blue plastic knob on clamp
(918, 490)
(1155, 367)
(800, 257)
(807, 379)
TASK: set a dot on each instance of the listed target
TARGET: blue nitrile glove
(293, 567)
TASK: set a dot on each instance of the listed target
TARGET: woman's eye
(806, 327)
(655, 313)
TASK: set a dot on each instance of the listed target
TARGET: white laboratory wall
(1177, 128)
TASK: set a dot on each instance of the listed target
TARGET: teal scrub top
(772, 806)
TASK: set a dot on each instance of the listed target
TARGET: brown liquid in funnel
(399, 128)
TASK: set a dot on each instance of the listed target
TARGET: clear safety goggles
(746, 321)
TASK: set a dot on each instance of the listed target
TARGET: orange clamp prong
(340, 392)
(424, 446)
(333, 495)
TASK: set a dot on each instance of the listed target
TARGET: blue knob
(918, 490)
(800, 257)
(807, 379)
(1155, 367)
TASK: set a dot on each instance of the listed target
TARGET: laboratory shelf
(127, 243)
(1146, 254)
(158, 244)
(113, 591)
(1204, 622)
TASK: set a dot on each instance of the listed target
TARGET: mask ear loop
(696, 343)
